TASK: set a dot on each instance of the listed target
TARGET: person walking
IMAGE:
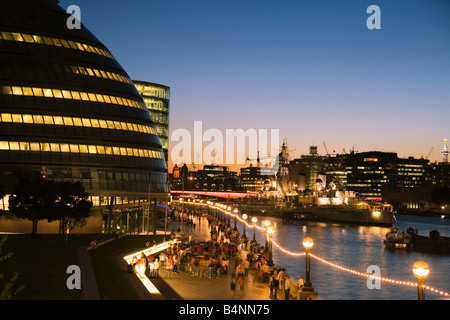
(287, 286)
(233, 283)
(246, 267)
(276, 285)
(299, 286)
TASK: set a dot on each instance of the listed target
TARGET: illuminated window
(45, 146)
(68, 121)
(48, 93)
(34, 146)
(48, 120)
(28, 37)
(17, 36)
(6, 117)
(74, 148)
(86, 122)
(14, 145)
(27, 118)
(7, 90)
(27, 91)
(92, 149)
(65, 147)
(66, 94)
(77, 122)
(84, 148)
(17, 90)
(4, 145)
(17, 118)
(103, 124)
(38, 92)
(38, 119)
(55, 147)
(7, 36)
(84, 96)
(24, 146)
(58, 120)
(76, 95)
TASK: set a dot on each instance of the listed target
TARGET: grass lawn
(42, 263)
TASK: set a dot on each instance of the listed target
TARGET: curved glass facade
(68, 110)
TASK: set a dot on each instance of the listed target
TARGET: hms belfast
(324, 204)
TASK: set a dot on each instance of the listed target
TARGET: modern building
(368, 172)
(209, 178)
(69, 112)
(254, 179)
(157, 97)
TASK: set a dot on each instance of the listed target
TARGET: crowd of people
(226, 252)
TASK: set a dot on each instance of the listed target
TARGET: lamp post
(254, 220)
(235, 213)
(307, 287)
(244, 216)
(270, 230)
(421, 270)
(266, 224)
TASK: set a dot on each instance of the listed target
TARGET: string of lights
(227, 210)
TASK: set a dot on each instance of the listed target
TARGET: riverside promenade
(182, 286)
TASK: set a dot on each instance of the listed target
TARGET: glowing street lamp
(254, 220)
(266, 224)
(421, 270)
(244, 216)
(308, 243)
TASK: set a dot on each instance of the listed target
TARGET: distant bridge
(218, 194)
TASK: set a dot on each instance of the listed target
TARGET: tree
(72, 206)
(34, 199)
(40, 199)
(7, 289)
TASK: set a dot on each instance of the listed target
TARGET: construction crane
(326, 150)
(429, 153)
(196, 161)
(258, 159)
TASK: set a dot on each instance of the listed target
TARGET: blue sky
(309, 68)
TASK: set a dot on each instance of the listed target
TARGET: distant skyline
(311, 69)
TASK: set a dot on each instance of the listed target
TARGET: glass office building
(69, 111)
(156, 97)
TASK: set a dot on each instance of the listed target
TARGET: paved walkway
(180, 286)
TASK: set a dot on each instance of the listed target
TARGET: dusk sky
(311, 69)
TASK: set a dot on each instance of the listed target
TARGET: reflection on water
(357, 248)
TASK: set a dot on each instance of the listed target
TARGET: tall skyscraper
(445, 152)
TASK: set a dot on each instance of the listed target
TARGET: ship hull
(346, 215)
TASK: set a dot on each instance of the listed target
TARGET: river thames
(357, 248)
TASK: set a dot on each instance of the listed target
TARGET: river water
(357, 248)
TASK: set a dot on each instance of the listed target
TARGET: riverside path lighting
(307, 289)
(270, 230)
(254, 220)
(244, 216)
(421, 270)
